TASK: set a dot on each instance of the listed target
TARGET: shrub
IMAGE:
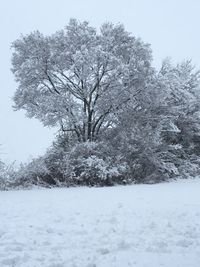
(89, 164)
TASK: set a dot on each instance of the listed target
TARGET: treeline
(120, 120)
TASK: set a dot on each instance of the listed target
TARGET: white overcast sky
(172, 27)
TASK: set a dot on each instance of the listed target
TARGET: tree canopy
(78, 78)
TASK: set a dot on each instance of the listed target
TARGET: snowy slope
(139, 225)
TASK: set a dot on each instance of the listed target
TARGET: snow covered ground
(139, 225)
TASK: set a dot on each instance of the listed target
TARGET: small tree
(78, 78)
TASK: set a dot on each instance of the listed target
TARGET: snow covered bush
(68, 164)
(91, 164)
(33, 173)
(3, 176)
(6, 175)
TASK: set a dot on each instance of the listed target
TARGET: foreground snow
(140, 225)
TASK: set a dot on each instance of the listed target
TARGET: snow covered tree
(181, 86)
(2, 175)
(5, 175)
(78, 78)
(183, 110)
(158, 134)
(119, 119)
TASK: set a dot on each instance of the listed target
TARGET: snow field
(138, 225)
